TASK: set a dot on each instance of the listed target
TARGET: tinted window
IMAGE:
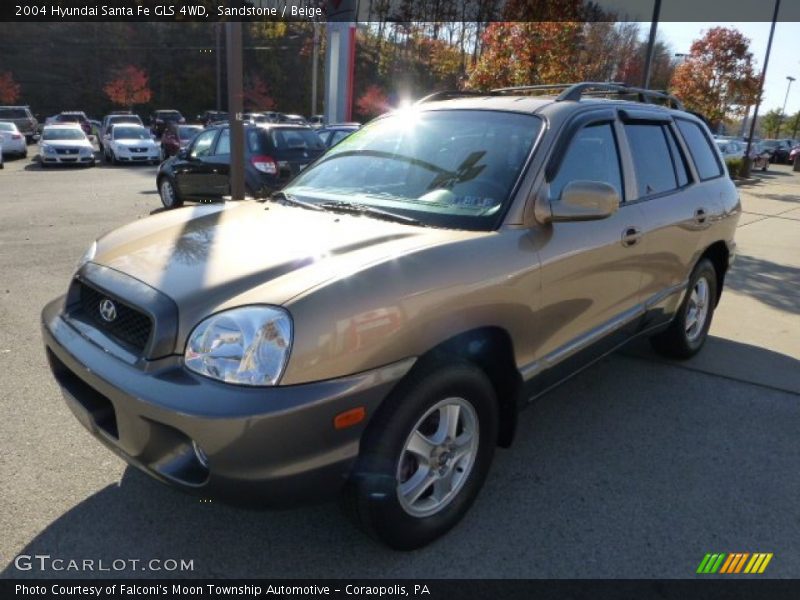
(705, 159)
(592, 156)
(338, 136)
(13, 113)
(224, 143)
(678, 159)
(202, 144)
(296, 139)
(651, 159)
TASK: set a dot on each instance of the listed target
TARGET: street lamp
(783, 110)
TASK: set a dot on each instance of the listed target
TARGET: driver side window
(592, 156)
(202, 144)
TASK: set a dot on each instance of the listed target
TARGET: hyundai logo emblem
(108, 310)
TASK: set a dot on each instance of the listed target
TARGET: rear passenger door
(220, 165)
(676, 210)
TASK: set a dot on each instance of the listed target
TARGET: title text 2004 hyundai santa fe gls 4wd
(373, 329)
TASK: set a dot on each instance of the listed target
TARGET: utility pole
(747, 160)
(218, 31)
(783, 110)
(651, 43)
(314, 70)
(235, 108)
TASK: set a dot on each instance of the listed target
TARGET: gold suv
(373, 329)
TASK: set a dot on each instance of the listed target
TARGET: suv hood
(213, 256)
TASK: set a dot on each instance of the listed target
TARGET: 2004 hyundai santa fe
(374, 329)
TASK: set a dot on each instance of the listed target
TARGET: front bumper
(267, 447)
(67, 159)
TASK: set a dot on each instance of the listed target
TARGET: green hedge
(735, 167)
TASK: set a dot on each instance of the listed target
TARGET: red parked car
(176, 137)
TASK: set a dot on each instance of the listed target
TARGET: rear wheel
(425, 455)
(689, 328)
(169, 193)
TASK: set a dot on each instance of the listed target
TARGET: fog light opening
(199, 454)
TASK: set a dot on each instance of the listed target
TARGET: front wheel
(169, 194)
(425, 455)
(689, 328)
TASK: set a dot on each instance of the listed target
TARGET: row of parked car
(762, 152)
(123, 138)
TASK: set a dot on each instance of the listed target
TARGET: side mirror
(585, 201)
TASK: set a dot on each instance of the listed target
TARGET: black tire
(372, 496)
(169, 199)
(113, 160)
(678, 341)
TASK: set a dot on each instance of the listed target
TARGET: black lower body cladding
(263, 447)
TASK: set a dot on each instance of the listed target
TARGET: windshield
(445, 168)
(13, 113)
(63, 134)
(131, 133)
(131, 119)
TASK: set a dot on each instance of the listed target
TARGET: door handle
(631, 236)
(700, 215)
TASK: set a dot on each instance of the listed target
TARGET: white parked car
(65, 145)
(11, 140)
(128, 143)
(731, 148)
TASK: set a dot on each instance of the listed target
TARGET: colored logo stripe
(734, 563)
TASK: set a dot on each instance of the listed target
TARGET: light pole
(747, 159)
(648, 61)
(783, 110)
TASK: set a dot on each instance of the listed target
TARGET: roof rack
(575, 91)
(450, 94)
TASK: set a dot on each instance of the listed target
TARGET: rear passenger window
(592, 156)
(651, 158)
(705, 159)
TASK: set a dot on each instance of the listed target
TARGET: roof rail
(450, 94)
(575, 91)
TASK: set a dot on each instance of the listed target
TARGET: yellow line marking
(765, 563)
(753, 560)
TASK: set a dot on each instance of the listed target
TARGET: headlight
(88, 255)
(248, 345)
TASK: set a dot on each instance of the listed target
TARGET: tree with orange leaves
(9, 89)
(373, 102)
(129, 87)
(718, 78)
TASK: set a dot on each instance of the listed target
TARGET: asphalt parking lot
(635, 468)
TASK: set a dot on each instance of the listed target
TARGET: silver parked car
(65, 145)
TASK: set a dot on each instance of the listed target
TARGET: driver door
(193, 174)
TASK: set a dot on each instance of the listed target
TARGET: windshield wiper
(365, 209)
(289, 199)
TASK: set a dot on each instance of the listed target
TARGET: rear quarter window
(703, 154)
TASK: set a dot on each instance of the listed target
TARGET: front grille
(138, 149)
(66, 150)
(129, 325)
